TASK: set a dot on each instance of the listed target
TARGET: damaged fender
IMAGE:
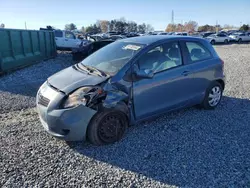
(117, 97)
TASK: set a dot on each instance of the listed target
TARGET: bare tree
(190, 26)
(141, 28)
(104, 25)
(180, 27)
(131, 26)
(70, 27)
(149, 28)
(227, 26)
(83, 29)
(171, 28)
(206, 28)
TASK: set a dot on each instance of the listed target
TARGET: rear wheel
(107, 127)
(226, 41)
(212, 42)
(213, 96)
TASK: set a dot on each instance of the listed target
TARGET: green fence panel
(19, 48)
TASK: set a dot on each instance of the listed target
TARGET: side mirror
(144, 73)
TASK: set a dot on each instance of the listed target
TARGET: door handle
(185, 73)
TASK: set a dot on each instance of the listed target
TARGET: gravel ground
(187, 148)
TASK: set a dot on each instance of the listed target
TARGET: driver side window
(162, 57)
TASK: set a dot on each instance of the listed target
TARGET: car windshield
(111, 58)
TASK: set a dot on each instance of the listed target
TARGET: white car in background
(218, 38)
(66, 40)
(240, 37)
(163, 33)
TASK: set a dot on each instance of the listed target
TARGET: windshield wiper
(84, 67)
(91, 70)
(101, 73)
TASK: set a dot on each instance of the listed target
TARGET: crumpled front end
(68, 115)
(69, 124)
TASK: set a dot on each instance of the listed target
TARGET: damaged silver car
(128, 81)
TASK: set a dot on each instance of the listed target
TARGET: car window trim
(182, 62)
(189, 60)
(159, 44)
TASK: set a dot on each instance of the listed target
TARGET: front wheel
(212, 42)
(226, 41)
(213, 96)
(240, 41)
(107, 126)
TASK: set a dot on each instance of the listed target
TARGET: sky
(40, 13)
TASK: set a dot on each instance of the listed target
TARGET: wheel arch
(221, 82)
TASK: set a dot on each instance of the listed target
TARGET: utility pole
(216, 26)
(182, 26)
(172, 16)
(25, 25)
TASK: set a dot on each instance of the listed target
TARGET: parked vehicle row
(67, 40)
(240, 37)
(224, 38)
(218, 38)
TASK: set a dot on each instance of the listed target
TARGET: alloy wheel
(214, 96)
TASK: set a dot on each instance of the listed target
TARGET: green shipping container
(19, 48)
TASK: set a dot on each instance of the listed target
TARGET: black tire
(107, 127)
(206, 104)
(226, 41)
(212, 42)
(240, 41)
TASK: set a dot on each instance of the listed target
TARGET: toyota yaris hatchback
(128, 81)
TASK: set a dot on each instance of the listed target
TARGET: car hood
(72, 78)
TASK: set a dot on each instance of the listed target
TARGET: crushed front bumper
(67, 124)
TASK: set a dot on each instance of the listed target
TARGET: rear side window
(197, 51)
(58, 33)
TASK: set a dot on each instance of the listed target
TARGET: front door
(169, 87)
(70, 40)
(221, 37)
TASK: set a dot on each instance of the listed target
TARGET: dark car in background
(78, 54)
(129, 81)
(116, 37)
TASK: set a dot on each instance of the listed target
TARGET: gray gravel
(18, 89)
(187, 148)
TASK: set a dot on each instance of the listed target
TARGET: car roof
(150, 39)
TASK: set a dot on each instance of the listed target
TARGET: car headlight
(83, 96)
(77, 97)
